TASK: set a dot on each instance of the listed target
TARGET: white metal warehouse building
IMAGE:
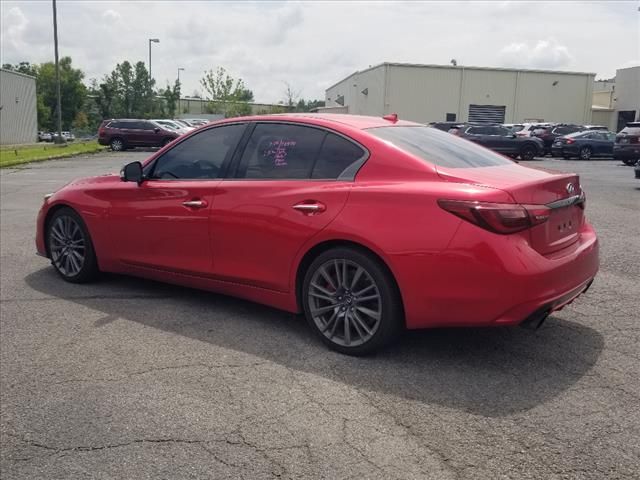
(431, 93)
(18, 110)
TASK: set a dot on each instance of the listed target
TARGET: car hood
(107, 178)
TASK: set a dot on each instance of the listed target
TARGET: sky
(312, 45)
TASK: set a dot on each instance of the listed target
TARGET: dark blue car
(584, 144)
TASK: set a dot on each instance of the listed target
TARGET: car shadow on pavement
(485, 371)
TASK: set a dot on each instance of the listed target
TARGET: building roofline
(458, 67)
(17, 73)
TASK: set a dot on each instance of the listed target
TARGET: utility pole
(59, 138)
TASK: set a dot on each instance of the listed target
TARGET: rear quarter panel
(400, 220)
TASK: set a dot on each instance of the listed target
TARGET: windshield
(439, 148)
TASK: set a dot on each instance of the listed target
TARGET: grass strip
(19, 155)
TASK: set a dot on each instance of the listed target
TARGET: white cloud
(111, 15)
(544, 54)
(16, 24)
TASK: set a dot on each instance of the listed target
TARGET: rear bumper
(486, 280)
(561, 151)
(103, 141)
(626, 152)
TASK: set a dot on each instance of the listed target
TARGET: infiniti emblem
(570, 188)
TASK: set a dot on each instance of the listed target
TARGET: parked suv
(627, 145)
(502, 140)
(121, 134)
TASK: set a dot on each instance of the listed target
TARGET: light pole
(151, 40)
(179, 88)
(59, 139)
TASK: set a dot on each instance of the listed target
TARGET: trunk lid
(534, 186)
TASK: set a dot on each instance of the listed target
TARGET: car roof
(359, 122)
(127, 120)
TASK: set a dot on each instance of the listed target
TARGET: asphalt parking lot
(126, 378)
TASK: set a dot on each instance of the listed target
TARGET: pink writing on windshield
(279, 150)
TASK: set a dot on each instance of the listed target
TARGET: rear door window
(280, 151)
(500, 131)
(478, 131)
(336, 155)
(565, 130)
(145, 126)
(439, 148)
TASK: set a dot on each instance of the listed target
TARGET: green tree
(22, 67)
(245, 95)
(81, 122)
(72, 91)
(227, 94)
(171, 97)
(126, 92)
(238, 109)
(308, 105)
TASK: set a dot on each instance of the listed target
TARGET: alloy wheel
(117, 145)
(585, 153)
(67, 245)
(345, 302)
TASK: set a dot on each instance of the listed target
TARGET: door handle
(195, 203)
(310, 208)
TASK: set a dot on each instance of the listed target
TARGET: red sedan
(367, 225)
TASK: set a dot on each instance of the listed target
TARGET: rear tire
(117, 144)
(166, 141)
(630, 161)
(585, 153)
(351, 301)
(70, 247)
(528, 152)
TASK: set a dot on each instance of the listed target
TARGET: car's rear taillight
(569, 140)
(501, 218)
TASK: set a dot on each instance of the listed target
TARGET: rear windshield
(566, 130)
(439, 148)
(578, 134)
(630, 131)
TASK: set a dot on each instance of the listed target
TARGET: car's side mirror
(132, 172)
(157, 130)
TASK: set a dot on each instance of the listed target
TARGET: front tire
(630, 161)
(351, 301)
(70, 247)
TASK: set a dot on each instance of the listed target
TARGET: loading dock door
(486, 113)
